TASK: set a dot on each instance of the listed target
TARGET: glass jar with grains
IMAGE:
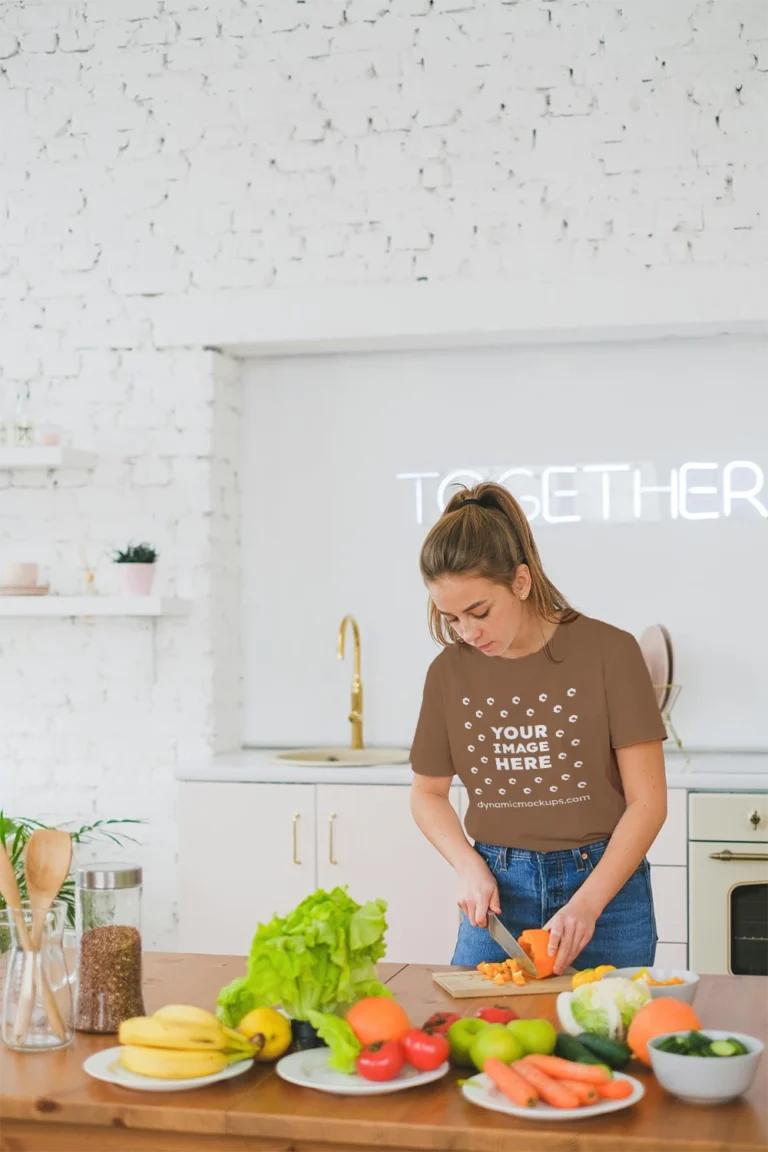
(108, 918)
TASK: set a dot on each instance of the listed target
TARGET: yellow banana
(189, 1014)
(236, 1042)
(167, 1064)
(186, 1014)
(149, 1032)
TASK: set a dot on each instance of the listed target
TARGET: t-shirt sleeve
(431, 749)
(633, 711)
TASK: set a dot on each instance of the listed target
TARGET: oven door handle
(726, 854)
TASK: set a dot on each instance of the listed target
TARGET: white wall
(152, 152)
(328, 529)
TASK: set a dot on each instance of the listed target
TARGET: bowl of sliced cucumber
(707, 1067)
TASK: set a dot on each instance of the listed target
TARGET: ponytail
(490, 538)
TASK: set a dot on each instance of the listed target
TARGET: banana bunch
(180, 1042)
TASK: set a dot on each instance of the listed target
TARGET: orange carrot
(553, 1092)
(614, 1090)
(561, 1069)
(514, 1087)
(585, 1093)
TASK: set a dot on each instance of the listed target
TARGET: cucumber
(569, 1048)
(724, 1048)
(699, 1044)
(609, 1052)
(675, 1044)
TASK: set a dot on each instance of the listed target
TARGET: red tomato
(381, 1061)
(496, 1015)
(440, 1022)
(425, 1050)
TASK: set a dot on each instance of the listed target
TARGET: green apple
(461, 1036)
(495, 1040)
(535, 1035)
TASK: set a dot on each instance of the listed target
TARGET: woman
(550, 720)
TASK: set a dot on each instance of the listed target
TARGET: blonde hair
(490, 539)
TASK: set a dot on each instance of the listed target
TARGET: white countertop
(706, 772)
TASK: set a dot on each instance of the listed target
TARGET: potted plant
(138, 568)
(15, 831)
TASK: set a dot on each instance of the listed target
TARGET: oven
(728, 883)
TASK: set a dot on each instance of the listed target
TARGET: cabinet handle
(296, 816)
(331, 857)
(726, 854)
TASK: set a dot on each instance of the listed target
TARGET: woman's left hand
(571, 929)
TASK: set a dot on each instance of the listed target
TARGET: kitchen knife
(507, 941)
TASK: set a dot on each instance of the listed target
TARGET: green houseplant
(15, 832)
(137, 568)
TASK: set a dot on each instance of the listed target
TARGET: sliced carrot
(561, 1069)
(585, 1093)
(553, 1092)
(514, 1087)
(614, 1089)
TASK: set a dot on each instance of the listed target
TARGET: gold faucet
(356, 705)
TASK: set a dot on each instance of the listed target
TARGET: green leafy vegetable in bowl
(319, 958)
(697, 1044)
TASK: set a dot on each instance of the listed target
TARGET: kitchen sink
(344, 757)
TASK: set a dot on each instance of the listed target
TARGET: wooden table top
(48, 1103)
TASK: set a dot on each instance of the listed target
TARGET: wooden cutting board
(464, 985)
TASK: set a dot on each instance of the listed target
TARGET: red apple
(440, 1022)
(495, 1014)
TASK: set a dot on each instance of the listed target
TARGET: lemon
(269, 1032)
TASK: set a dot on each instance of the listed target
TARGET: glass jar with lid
(108, 920)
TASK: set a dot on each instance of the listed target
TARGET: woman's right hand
(478, 892)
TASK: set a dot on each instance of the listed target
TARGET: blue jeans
(533, 885)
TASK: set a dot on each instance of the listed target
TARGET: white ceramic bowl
(686, 991)
(706, 1079)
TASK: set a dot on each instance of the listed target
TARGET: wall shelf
(150, 606)
(42, 458)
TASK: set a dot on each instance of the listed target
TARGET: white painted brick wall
(165, 147)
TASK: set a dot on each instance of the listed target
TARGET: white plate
(481, 1091)
(105, 1066)
(310, 1070)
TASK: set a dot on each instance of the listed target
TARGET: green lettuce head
(606, 1008)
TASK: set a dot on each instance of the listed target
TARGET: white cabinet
(671, 844)
(671, 956)
(670, 898)
(668, 857)
(367, 839)
(246, 852)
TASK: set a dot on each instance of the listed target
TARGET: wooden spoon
(47, 862)
(9, 890)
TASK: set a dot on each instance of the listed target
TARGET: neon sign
(623, 492)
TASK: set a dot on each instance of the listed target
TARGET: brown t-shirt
(533, 739)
